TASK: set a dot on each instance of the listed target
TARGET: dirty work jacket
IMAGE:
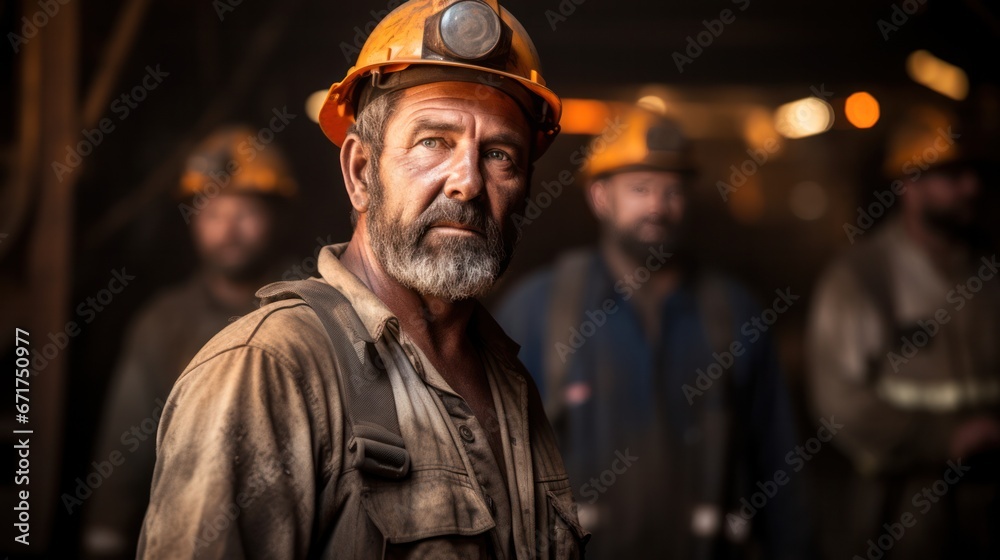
(160, 342)
(252, 457)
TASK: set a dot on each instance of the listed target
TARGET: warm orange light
(584, 116)
(747, 203)
(938, 75)
(804, 117)
(314, 103)
(862, 110)
(759, 132)
(653, 104)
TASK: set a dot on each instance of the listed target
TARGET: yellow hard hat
(445, 40)
(648, 141)
(233, 159)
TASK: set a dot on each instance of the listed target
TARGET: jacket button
(466, 433)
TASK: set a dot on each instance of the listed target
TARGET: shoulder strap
(564, 313)
(370, 408)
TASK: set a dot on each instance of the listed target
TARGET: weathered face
(232, 235)
(640, 209)
(453, 171)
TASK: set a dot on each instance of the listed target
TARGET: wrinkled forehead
(455, 101)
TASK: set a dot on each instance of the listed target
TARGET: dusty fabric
(252, 447)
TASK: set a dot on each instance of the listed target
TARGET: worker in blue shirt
(661, 380)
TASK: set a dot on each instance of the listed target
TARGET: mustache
(447, 210)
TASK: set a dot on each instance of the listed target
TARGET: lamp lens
(470, 29)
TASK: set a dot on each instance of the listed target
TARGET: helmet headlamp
(467, 31)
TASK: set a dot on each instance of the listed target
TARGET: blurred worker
(379, 411)
(232, 191)
(903, 351)
(621, 340)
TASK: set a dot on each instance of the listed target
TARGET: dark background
(259, 56)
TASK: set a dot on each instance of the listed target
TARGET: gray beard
(451, 268)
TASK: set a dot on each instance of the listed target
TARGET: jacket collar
(375, 314)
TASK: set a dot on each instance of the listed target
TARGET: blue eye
(429, 143)
(497, 154)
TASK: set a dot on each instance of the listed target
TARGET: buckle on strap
(378, 451)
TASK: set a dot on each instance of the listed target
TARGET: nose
(465, 181)
(230, 228)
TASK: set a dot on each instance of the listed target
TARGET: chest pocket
(561, 537)
(433, 513)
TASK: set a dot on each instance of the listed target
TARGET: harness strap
(375, 441)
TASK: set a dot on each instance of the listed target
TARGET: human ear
(598, 198)
(354, 162)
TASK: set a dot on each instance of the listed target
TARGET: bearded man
(660, 377)
(234, 230)
(379, 411)
(902, 348)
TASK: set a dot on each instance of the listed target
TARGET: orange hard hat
(233, 159)
(648, 141)
(426, 41)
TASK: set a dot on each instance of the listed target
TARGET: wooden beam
(49, 262)
(115, 52)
